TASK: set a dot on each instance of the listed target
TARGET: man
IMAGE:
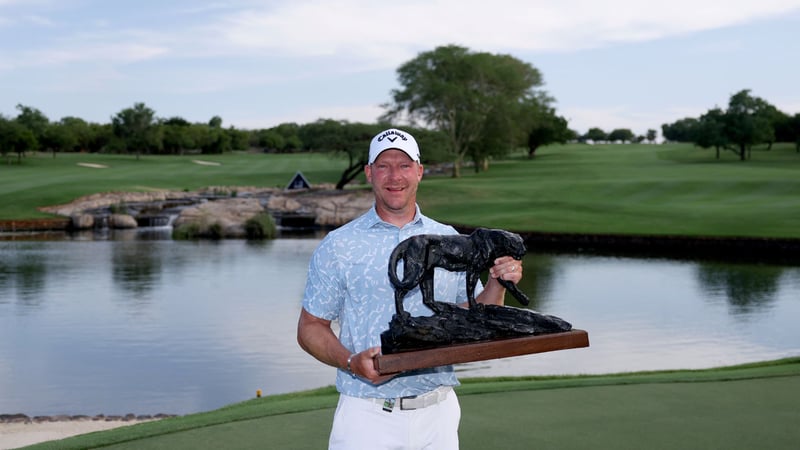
(348, 281)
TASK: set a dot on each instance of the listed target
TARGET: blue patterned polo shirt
(348, 282)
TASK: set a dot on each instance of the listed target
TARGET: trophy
(454, 334)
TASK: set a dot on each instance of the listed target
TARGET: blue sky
(611, 64)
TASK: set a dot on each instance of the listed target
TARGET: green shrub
(191, 231)
(118, 208)
(261, 226)
(186, 232)
(214, 231)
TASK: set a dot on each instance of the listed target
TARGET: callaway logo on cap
(393, 139)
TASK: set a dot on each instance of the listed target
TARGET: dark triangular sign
(298, 182)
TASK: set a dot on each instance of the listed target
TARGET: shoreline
(727, 248)
(320, 198)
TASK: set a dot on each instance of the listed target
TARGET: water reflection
(747, 288)
(136, 267)
(539, 277)
(22, 277)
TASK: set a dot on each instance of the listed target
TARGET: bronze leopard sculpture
(473, 254)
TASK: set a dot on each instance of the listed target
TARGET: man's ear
(368, 173)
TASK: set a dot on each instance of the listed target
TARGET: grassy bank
(740, 407)
(674, 189)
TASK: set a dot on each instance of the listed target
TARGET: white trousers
(363, 424)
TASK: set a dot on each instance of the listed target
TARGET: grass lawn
(741, 407)
(628, 189)
(42, 180)
(673, 189)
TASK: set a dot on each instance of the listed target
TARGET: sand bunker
(93, 166)
(206, 163)
(13, 435)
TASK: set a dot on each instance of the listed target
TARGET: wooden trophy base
(480, 351)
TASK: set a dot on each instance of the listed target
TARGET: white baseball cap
(393, 139)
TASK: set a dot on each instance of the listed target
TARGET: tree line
(747, 121)
(471, 106)
(134, 130)
(465, 106)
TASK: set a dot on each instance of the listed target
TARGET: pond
(149, 326)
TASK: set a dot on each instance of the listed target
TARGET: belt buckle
(388, 404)
(403, 403)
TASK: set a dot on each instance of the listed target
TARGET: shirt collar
(374, 220)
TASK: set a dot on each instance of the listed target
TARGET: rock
(122, 221)
(332, 208)
(14, 418)
(82, 221)
(229, 214)
(106, 199)
(283, 203)
(225, 208)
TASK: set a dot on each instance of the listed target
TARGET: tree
(774, 116)
(351, 139)
(80, 129)
(101, 136)
(463, 94)
(240, 139)
(680, 131)
(290, 133)
(544, 127)
(596, 134)
(710, 130)
(747, 123)
(793, 134)
(136, 128)
(34, 120)
(651, 135)
(59, 137)
(177, 136)
(15, 137)
(215, 122)
(783, 128)
(270, 140)
(621, 134)
(215, 140)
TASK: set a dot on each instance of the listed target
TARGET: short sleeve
(324, 292)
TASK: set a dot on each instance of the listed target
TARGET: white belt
(431, 398)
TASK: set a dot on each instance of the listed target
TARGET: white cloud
(40, 20)
(391, 32)
(363, 34)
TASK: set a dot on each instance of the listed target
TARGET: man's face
(394, 178)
